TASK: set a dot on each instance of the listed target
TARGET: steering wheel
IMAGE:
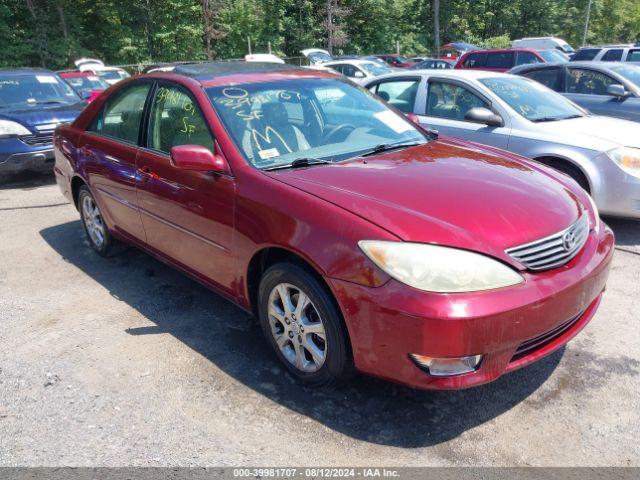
(337, 129)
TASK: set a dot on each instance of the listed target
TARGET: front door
(447, 104)
(187, 215)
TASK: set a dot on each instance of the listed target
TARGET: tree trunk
(330, 26)
(436, 25)
(208, 29)
(65, 31)
(40, 33)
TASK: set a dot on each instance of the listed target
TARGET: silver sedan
(602, 154)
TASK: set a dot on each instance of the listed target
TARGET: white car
(316, 55)
(602, 154)
(263, 57)
(110, 75)
(360, 71)
(543, 43)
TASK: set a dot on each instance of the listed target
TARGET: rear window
(546, 76)
(633, 56)
(614, 55)
(586, 54)
(500, 60)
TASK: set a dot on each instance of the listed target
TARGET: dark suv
(498, 60)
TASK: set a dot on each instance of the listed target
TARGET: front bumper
(388, 323)
(616, 192)
(17, 156)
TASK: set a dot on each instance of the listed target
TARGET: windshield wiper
(386, 147)
(554, 119)
(51, 102)
(300, 162)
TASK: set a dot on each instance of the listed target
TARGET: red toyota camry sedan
(360, 241)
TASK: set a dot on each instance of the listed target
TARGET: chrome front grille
(38, 139)
(554, 250)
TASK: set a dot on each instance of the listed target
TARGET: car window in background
(565, 47)
(319, 57)
(448, 100)
(121, 116)
(340, 121)
(500, 60)
(349, 70)
(549, 77)
(375, 69)
(613, 55)
(633, 55)
(89, 83)
(552, 56)
(401, 94)
(630, 72)
(585, 54)
(112, 75)
(35, 90)
(176, 120)
(588, 82)
(475, 60)
(533, 101)
(524, 58)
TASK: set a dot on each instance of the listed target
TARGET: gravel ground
(126, 362)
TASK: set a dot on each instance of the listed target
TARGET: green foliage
(53, 33)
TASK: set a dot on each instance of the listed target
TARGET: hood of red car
(461, 196)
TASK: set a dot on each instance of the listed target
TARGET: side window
(348, 70)
(586, 54)
(447, 100)
(338, 68)
(176, 120)
(613, 55)
(633, 56)
(121, 116)
(475, 60)
(546, 76)
(588, 82)
(400, 94)
(523, 58)
(500, 60)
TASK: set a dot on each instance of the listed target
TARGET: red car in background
(87, 85)
(397, 61)
(499, 59)
(359, 240)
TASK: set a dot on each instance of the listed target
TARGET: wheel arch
(76, 183)
(551, 159)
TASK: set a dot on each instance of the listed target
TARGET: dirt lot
(124, 361)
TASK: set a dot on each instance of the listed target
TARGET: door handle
(147, 174)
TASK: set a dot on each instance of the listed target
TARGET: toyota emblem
(569, 241)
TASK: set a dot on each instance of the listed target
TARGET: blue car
(604, 88)
(32, 104)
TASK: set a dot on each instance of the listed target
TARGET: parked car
(544, 43)
(499, 59)
(96, 67)
(32, 103)
(601, 154)
(603, 88)
(608, 53)
(305, 200)
(88, 86)
(553, 56)
(454, 50)
(358, 70)
(396, 61)
(316, 55)
(433, 63)
(263, 57)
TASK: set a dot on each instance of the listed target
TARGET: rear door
(187, 215)
(108, 150)
(447, 103)
(399, 91)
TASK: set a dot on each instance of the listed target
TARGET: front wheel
(93, 223)
(303, 325)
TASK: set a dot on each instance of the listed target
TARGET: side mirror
(617, 90)
(199, 158)
(484, 115)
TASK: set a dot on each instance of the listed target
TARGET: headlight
(628, 158)
(433, 268)
(9, 128)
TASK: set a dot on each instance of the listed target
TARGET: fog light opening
(446, 367)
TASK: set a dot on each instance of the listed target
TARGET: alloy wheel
(93, 221)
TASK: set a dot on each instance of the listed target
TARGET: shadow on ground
(367, 409)
(26, 180)
(627, 231)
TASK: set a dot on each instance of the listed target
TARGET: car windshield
(35, 89)
(552, 56)
(533, 101)
(567, 48)
(630, 72)
(275, 123)
(401, 59)
(112, 74)
(85, 84)
(375, 69)
(319, 57)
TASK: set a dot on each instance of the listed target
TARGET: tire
(93, 223)
(570, 170)
(311, 342)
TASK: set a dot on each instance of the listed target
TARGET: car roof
(210, 70)
(578, 64)
(353, 61)
(22, 71)
(497, 50)
(469, 74)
